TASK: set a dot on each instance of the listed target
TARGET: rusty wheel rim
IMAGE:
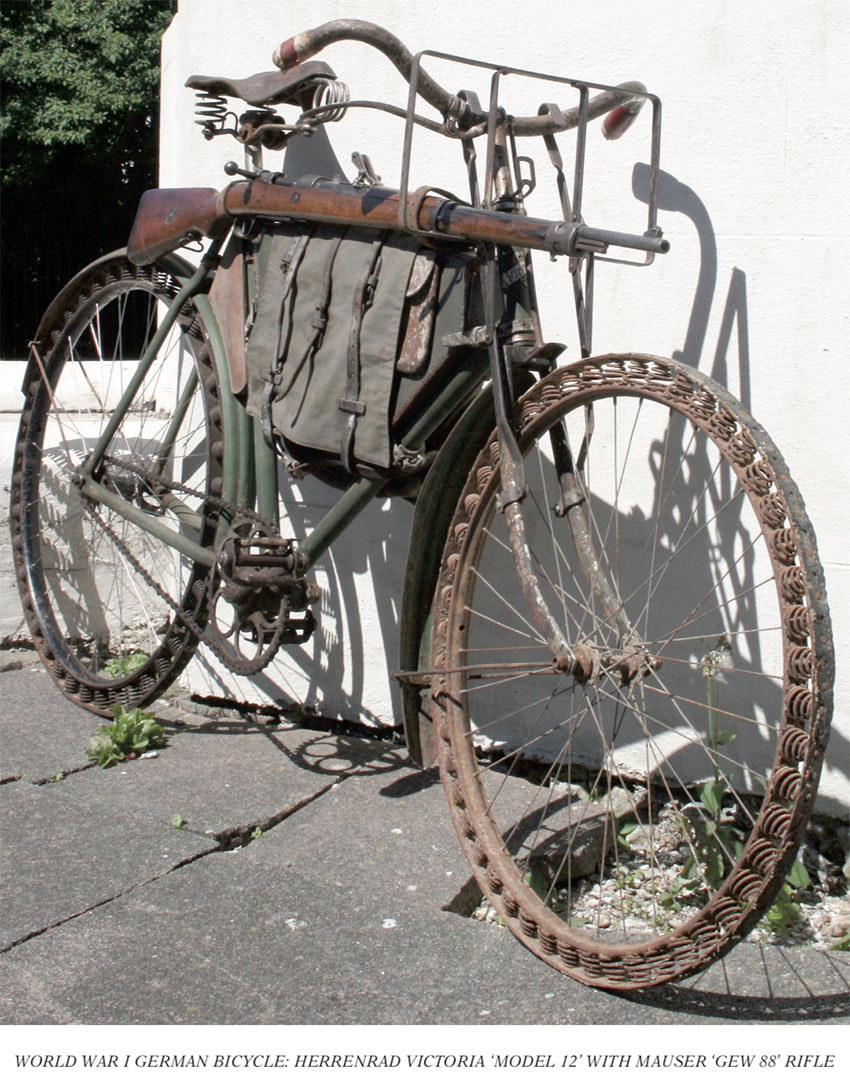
(754, 843)
(62, 545)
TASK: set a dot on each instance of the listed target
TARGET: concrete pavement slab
(223, 778)
(222, 774)
(43, 734)
(335, 916)
(61, 857)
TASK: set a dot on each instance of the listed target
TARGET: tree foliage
(79, 73)
(78, 123)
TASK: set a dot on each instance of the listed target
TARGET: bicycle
(614, 635)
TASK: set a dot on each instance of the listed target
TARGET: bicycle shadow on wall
(677, 198)
(333, 664)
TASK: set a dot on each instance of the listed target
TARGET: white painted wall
(755, 138)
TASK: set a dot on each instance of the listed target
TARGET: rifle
(167, 218)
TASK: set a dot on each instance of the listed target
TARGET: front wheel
(633, 818)
(115, 612)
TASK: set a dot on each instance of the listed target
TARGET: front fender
(432, 517)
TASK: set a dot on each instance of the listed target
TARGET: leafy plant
(714, 662)
(257, 833)
(784, 913)
(625, 827)
(122, 666)
(715, 844)
(798, 877)
(129, 734)
(540, 886)
(178, 821)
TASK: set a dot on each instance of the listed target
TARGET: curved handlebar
(307, 44)
(624, 102)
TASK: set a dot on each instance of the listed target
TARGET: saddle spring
(330, 97)
(212, 114)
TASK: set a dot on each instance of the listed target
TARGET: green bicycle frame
(250, 467)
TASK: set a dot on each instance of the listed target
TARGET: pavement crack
(227, 840)
(105, 901)
(61, 775)
(234, 838)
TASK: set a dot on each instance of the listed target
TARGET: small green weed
(717, 844)
(129, 734)
(625, 827)
(257, 833)
(540, 886)
(117, 667)
(784, 914)
(178, 821)
(842, 944)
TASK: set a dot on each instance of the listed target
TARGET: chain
(155, 483)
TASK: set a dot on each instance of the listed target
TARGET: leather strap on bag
(420, 312)
(272, 377)
(350, 403)
(320, 318)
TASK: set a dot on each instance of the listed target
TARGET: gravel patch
(644, 896)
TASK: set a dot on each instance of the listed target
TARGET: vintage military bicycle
(614, 636)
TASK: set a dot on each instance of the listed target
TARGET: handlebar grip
(292, 52)
(620, 119)
(310, 42)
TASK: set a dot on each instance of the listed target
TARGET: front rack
(483, 195)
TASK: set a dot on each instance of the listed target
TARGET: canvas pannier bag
(348, 322)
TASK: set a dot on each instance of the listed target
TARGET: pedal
(299, 629)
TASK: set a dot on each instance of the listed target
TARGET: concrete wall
(755, 150)
(754, 291)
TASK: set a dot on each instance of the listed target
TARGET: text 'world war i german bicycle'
(613, 637)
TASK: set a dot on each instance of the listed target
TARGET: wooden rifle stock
(380, 208)
(168, 218)
(383, 209)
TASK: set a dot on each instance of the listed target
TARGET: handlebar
(307, 44)
(622, 104)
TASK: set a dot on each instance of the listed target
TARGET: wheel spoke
(608, 818)
(103, 596)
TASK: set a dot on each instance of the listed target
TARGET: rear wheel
(633, 818)
(113, 611)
